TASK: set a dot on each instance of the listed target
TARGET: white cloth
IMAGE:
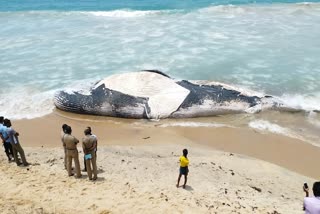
(311, 205)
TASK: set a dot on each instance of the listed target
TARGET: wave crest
(124, 13)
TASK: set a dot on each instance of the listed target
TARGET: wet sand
(287, 152)
(138, 168)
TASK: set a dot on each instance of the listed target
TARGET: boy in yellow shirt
(184, 162)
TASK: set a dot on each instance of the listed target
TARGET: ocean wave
(266, 126)
(227, 11)
(314, 119)
(123, 13)
(193, 124)
(308, 102)
(276, 8)
(26, 104)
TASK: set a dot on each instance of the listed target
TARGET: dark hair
(68, 130)
(1, 119)
(89, 128)
(316, 189)
(185, 152)
(7, 122)
(87, 131)
(64, 126)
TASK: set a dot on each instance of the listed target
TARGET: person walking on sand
(95, 149)
(184, 170)
(311, 205)
(89, 143)
(14, 141)
(72, 151)
(63, 132)
(6, 144)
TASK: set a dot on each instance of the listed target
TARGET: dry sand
(138, 167)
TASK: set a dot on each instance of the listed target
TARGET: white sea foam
(193, 124)
(313, 118)
(266, 126)
(24, 104)
(123, 13)
(226, 9)
(230, 10)
(303, 102)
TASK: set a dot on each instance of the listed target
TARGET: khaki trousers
(92, 162)
(73, 154)
(16, 148)
(65, 157)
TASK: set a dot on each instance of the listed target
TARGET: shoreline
(290, 153)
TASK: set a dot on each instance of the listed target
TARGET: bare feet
(184, 186)
(177, 185)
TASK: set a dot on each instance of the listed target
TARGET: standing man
(5, 140)
(14, 141)
(89, 143)
(72, 151)
(63, 132)
(95, 149)
(311, 205)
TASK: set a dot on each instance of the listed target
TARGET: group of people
(89, 146)
(11, 142)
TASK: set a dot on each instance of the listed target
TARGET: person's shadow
(188, 188)
(85, 177)
(99, 179)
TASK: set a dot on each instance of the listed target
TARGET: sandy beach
(232, 170)
(236, 83)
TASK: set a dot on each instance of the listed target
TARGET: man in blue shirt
(5, 139)
(16, 147)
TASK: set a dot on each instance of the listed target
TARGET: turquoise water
(103, 5)
(271, 47)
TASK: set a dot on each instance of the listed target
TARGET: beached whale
(152, 94)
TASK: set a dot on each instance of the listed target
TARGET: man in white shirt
(311, 205)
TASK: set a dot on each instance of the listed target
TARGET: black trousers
(8, 150)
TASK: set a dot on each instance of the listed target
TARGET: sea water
(271, 47)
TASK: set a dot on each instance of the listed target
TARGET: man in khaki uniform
(70, 143)
(64, 146)
(89, 144)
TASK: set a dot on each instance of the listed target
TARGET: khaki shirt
(62, 135)
(70, 141)
(89, 143)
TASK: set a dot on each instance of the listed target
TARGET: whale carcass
(152, 94)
